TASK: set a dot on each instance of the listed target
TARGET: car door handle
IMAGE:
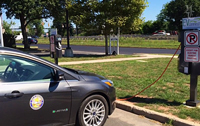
(14, 95)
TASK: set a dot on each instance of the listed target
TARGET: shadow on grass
(152, 101)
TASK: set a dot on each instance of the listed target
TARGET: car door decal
(36, 102)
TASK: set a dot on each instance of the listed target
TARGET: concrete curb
(163, 118)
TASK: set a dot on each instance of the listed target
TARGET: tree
(175, 10)
(8, 36)
(35, 27)
(7, 27)
(61, 27)
(29, 10)
(147, 27)
(105, 15)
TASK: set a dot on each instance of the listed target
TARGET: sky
(150, 13)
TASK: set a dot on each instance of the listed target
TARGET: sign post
(189, 58)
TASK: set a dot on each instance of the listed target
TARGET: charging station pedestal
(55, 47)
(189, 58)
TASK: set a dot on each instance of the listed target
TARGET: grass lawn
(22, 46)
(123, 42)
(130, 77)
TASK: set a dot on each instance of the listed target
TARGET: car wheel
(93, 111)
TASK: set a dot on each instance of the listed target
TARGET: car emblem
(36, 102)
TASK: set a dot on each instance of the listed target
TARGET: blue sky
(155, 6)
(150, 13)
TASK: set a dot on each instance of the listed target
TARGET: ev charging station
(55, 47)
(114, 38)
(189, 58)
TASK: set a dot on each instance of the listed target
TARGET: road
(122, 50)
(124, 118)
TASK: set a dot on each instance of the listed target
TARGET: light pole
(1, 32)
(67, 26)
(68, 50)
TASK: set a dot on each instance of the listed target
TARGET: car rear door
(33, 98)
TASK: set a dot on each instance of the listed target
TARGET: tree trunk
(23, 28)
(76, 30)
(106, 44)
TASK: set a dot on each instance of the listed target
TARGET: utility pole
(1, 32)
(68, 50)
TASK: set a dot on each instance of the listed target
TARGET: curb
(163, 118)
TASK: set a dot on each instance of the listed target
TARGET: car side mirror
(61, 76)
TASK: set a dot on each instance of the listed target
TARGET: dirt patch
(163, 108)
(187, 84)
(118, 77)
(170, 84)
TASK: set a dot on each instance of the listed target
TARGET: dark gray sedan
(35, 92)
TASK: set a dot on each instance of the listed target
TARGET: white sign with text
(191, 54)
(191, 23)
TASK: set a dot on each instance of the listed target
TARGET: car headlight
(108, 82)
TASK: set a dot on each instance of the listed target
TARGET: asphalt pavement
(124, 118)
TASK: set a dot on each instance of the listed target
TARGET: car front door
(30, 95)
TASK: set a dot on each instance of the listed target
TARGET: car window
(15, 69)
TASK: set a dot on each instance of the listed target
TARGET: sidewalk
(140, 57)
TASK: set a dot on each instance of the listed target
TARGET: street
(124, 118)
(122, 50)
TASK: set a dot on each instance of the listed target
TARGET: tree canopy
(175, 10)
(29, 10)
(35, 28)
(105, 15)
(7, 27)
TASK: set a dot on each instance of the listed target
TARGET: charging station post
(189, 58)
(55, 47)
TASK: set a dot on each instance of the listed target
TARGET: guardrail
(148, 37)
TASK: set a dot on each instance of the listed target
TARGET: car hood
(87, 75)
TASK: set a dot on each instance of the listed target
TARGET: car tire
(93, 111)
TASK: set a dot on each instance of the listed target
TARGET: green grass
(22, 46)
(130, 77)
(123, 42)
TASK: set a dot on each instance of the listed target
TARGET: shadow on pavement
(46, 53)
